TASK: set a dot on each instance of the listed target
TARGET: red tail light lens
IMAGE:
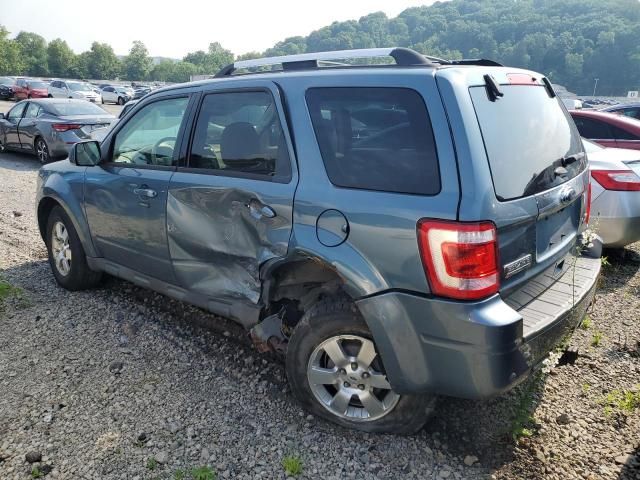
(460, 259)
(617, 180)
(64, 127)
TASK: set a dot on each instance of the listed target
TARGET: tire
(29, 97)
(78, 276)
(338, 318)
(102, 100)
(42, 150)
(49, 96)
(120, 101)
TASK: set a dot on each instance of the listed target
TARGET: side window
(590, 128)
(33, 110)
(108, 89)
(240, 132)
(375, 139)
(149, 137)
(16, 112)
(621, 134)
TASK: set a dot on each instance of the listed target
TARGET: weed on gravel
(292, 465)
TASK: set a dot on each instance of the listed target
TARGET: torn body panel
(218, 240)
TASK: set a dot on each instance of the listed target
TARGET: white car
(116, 94)
(71, 89)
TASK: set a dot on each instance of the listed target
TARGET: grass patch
(604, 261)
(585, 388)
(179, 475)
(596, 339)
(586, 323)
(35, 472)
(152, 464)
(622, 400)
(523, 423)
(10, 292)
(203, 473)
(292, 465)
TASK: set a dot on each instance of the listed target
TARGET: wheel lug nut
(365, 375)
(361, 387)
(354, 366)
(347, 384)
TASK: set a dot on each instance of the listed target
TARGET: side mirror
(85, 154)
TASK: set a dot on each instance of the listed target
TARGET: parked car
(418, 240)
(27, 88)
(48, 127)
(608, 129)
(628, 109)
(6, 88)
(615, 193)
(71, 89)
(114, 94)
(99, 133)
(140, 91)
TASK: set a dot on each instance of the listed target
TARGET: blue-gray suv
(396, 229)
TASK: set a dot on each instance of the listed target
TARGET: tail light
(459, 259)
(64, 127)
(618, 180)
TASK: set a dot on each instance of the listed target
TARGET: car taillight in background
(64, 127)
(460, 259)
(617, 180)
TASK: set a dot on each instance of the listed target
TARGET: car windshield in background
(7, 81)
(37, 85)
(512, 126)
(79, 87)
(81, 107)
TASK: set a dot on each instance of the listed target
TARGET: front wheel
(66, 255)
(120, 101)
(336, 373)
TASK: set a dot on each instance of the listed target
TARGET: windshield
(531, 142)
(79, 87)
(7, 81)
(80, 107)
(37, 85)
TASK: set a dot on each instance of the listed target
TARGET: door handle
(259, 209)
(145, 191)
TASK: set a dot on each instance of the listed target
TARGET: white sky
(172, 28)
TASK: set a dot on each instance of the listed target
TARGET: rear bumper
(616, 217)
(474, 349)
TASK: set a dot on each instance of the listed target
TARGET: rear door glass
(375, 139)
(530, 140)
(590, 128)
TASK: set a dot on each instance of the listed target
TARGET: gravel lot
(99, 383)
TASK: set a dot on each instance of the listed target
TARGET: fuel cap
(332, 228)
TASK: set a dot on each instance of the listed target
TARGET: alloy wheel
(42, 151)
(60, 248)
(346, 376)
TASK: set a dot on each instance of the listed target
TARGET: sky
(173, 28)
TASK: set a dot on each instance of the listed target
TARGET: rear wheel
(66, 256)
(336, 373)
(42, 151)
(49, 96)
(120, 101)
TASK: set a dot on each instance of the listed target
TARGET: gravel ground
(122, 383)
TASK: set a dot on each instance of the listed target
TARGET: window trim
(184, 166)
(361, 87)
(107, 160)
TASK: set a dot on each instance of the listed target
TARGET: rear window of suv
(529, 139)
(375, 139)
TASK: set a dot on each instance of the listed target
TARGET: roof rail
(403, 56)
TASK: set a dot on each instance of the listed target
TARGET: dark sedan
(6, 88)
(48, 127)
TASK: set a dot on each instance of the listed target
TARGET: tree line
(573, 42)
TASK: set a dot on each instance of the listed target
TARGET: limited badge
(517, 266)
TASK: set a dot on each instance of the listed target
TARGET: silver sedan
(615, 194)
(48, 127)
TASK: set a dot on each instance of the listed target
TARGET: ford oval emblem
(567, 194)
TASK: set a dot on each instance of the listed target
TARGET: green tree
(138, 64)
(33, 49)
(102, 63)
(162, 71)
(11, 61)
(182, 72)
(60, 58)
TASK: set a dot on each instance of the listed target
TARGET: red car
(608, 129)
(25, 88)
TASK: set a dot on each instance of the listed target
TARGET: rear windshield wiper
(569, 159)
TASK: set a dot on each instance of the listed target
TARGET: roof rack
(404, 57)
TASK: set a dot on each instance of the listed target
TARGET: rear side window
(621, 134)
(375, 139)
(590, 128)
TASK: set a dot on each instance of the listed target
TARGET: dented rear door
(230, 206)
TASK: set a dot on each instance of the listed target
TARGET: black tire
(29, 97)
(339, 316)
(120, 101)
(80, 276)
(42, 150)
(102, 100)
(49, 96)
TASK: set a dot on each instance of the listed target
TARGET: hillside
(572, 41)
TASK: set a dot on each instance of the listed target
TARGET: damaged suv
(396, 230)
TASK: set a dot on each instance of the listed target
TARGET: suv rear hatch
(538, 171)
